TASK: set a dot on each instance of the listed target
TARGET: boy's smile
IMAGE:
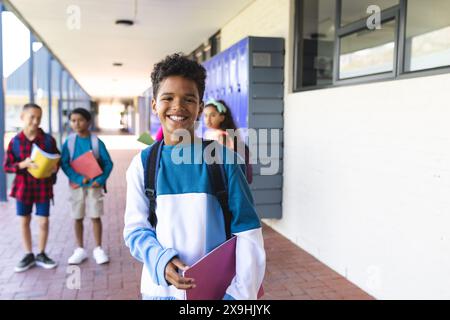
(177, 105)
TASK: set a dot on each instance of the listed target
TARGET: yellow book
(45, 162)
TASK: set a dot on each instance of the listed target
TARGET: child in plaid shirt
(28, 190)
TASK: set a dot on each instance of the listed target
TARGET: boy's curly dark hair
(178, 65)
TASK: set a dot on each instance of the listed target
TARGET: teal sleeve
(240, 200)
(65, 166)
(106, 163)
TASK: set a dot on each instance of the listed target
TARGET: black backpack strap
(48, 145)
(150, 180)
(16, 148)
(217, 178)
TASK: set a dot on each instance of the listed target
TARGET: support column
(49, 79)
(31, 70)
(3, 187)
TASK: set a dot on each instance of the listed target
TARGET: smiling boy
(189, 220)
(28, 190)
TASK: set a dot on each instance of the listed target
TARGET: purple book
(213, 273)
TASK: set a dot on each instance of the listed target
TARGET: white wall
(367, 183)
(367, 177)
(262, 18)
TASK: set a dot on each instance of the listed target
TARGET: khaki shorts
(86, 201)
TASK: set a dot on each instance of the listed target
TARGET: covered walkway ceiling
(161, 27)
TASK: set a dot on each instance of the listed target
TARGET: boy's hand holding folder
(87, 166)
(175, 278)
(213, 273)
(27, 163)
(41, 164)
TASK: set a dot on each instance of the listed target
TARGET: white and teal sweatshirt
(190, 222)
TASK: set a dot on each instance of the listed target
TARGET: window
(316, 49)
(336, 42)
(367, 52)
(206, 50)
(354, 10)
(427, 34)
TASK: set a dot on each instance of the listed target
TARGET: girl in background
(218, 119)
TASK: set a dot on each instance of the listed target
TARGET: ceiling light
(125, 22)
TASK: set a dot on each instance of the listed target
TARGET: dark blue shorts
(42, 208)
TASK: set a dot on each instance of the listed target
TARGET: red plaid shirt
(27, 188)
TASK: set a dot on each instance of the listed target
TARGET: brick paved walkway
(291, 272)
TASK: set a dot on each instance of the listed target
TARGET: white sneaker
(100, 256)
(78, 256)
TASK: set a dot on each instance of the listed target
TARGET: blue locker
(233, 98)
(219, 78)
(207, 94)
(210, 76)
(224, 88)
(212, 84)
(231, 85)
(214, 79)
(207, 85)
(228, 80)
(225, 76)
(243, 84)
(237, 79)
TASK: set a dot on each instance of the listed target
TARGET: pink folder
(213, 273)
(87, 165)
